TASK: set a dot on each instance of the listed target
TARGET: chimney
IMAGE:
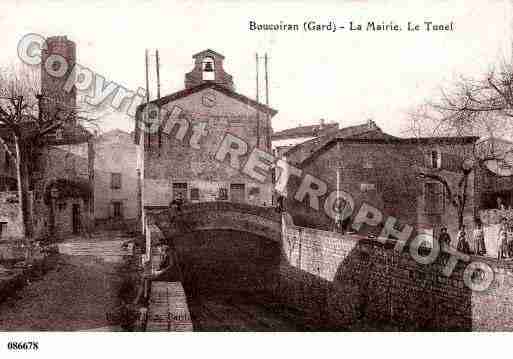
(371, 124)
(321, 124)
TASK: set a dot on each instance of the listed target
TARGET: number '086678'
(23, 346)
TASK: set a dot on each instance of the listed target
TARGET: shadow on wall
(324, 280)
(346, 282)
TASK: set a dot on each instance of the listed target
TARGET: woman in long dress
(502, 245)
(463, 245)
(479, 242)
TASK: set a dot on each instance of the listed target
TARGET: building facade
(182, 157)
(115, 179)
(385, 172)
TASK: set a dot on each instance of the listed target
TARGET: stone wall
(10, 216)
(388, 288)
(366, 282)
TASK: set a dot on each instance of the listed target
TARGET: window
(238, 192)
(223, 194)
(434, 198)
(59, 134)
(435, 159)
(115, 181)
(7, 161)
(117, 209)
(195, 194)
(366, 187)
(3, 227)
(367, 163)
(254, 191)
(180, 191)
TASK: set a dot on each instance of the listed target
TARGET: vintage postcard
(223, 166)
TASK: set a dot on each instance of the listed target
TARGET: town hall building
(179, 158)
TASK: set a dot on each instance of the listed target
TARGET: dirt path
(77, 294)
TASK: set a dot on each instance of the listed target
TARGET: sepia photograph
(343, 168)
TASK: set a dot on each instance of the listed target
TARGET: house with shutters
(115, 180)
(383, 170)
(178, 156)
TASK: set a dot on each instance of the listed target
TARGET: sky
(343, 76)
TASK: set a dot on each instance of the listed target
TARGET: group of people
(505, 240)
(476, 243)
(473, 245)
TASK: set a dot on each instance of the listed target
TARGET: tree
(24, 126)
(481, 107)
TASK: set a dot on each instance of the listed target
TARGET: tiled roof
(208, 52)
(309, 150)
(305, 131)
(302, 151)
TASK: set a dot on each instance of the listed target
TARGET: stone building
(115, 180)
(180, 157)
(383, 171)
(495, 180)
(58, 164)
(62, 183)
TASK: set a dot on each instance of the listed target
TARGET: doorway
(238, 192)
(76, 218)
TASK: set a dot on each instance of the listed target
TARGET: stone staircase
(108, 250)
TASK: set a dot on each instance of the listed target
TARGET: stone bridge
(207, 216)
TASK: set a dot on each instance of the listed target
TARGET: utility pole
(267, 122)
(257, 100)
(147, 97)
(338, 215)
(158, 95)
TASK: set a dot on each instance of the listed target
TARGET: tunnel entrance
(229, 278)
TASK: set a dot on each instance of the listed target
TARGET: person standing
(502, 240)
(444, 237)
(479, 242)
(463, 245)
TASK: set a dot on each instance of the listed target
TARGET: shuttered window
(115, 181)
(434, 198)
(451, 162)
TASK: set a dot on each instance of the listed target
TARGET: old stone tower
(54, 76)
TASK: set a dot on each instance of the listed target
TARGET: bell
(208, 67)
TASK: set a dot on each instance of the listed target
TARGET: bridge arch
(204, 216)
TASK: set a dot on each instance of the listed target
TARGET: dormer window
(208, 69)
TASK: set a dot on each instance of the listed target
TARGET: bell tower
(208, 67)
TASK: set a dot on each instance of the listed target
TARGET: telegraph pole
(158, 96)
(257, 100)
